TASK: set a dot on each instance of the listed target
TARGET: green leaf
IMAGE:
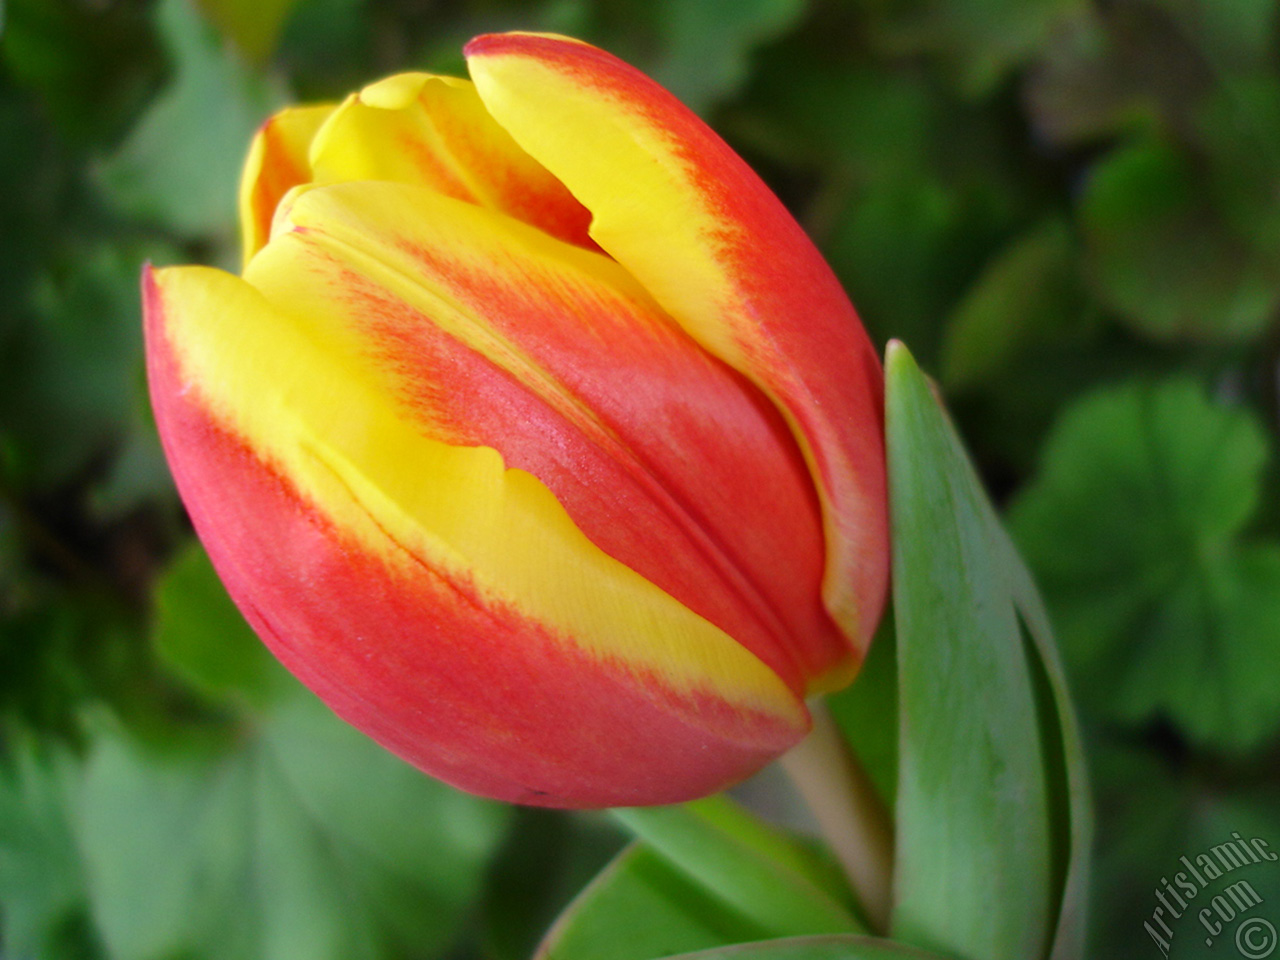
(200, 634)
(754, 868)
(641, 907)
(1160, 255)
(815, 948)
(709, 41)
(180, 165)
(306, 840)
(990, 829)
(1070, 796)
(41, 885)
(1133, 528)
(704, 874)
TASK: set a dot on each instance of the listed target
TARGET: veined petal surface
(436, 598)
(687, 217)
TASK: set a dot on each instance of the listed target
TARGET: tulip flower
(536, 437)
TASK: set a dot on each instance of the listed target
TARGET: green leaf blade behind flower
(751, 866)
(641, 907)
(987, 738)
(703, 875)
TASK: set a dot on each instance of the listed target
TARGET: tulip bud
(536, 438)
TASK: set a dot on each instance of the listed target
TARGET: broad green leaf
(1161, 256)
(1133, 528)
(304, 840)
(1029, 294)
(41, 884)
(199, 633)
(181, 164)
(815, 948)
(981, 862)
(752, 867)
(704, 874)
(1070, 795)
(709, 41)
(641, 907)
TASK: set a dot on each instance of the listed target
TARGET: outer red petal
(472, 692)
(678, 208)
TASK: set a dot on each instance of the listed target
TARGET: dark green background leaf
(1133, 526)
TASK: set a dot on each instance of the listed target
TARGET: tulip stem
(834, 785)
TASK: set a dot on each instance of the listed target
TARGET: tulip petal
(435, 598)
(686, 216)
(277, 162)
(494, 334)
(433, 131)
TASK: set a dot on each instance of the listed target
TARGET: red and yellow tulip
(536, 437)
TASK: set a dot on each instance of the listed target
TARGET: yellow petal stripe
(686, 216)
(319, 414)
(432, 131)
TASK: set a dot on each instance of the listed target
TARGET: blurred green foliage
(1071, 212)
